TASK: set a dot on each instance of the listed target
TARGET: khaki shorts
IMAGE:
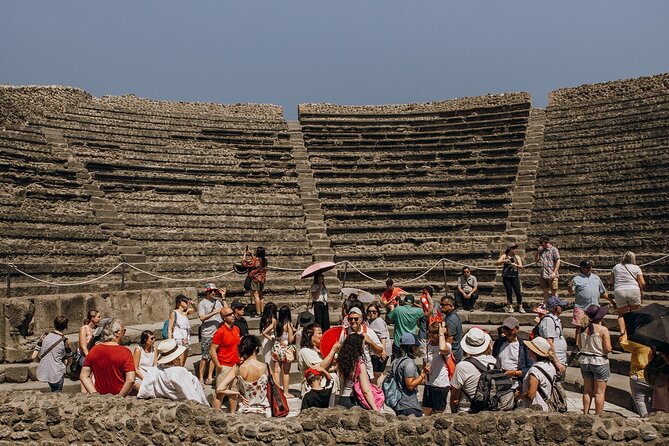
(627, 297)
(257, 286)
(548, 283)
(221, 376)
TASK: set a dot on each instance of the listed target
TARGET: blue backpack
(391, 387)
(166, 326)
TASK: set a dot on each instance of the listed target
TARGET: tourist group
(357, 362)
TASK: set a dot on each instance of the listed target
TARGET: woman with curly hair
(351, 368)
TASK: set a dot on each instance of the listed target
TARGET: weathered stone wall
(52, 419)
(131, 101)
(20, 104)
(428, 107)
(619, 89)
(23, 319)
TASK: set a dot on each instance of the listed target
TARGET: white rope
(343, 262)
(172, 279)
(65, 284)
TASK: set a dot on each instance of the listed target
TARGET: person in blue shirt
(587, 288)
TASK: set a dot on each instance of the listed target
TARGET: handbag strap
(52, 346)
(550, 380)
(633, 276)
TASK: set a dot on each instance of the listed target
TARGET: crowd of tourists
(367, 367)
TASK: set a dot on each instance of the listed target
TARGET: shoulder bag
(277, 400)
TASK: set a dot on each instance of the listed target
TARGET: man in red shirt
(391, 294)
(110, 363)
(224, 353)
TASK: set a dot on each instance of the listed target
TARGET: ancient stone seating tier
(404, 185)
(45, 218)
(179, 181)
(603, 180)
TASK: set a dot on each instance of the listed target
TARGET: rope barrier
(277, 268)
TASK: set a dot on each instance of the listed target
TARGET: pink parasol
(319, 267)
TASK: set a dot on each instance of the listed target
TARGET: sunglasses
(228, 314)
(372, 312)
(354, 319)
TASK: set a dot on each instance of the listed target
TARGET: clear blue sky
(346, 52)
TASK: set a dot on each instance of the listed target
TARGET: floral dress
(256, 394)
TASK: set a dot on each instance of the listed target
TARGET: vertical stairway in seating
(110, 222)
(522, 197)
(316, 231)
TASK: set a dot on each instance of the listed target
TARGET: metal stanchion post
(123, 276)
(9, 279)
(443, 268)
(343, 282)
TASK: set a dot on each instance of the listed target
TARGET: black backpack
(494, 390)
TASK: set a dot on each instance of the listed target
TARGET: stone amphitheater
(120, 203)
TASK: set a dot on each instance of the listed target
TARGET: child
(317, 396)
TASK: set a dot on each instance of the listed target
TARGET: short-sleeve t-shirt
(547, 260)
(550, 327)
(51, 366)
(467, 283)
(390, 296)
(109, 364)
(544, 384)
(466, 378)
(406, 319)
(322, 293)
(508, 357)
(407, 369)
(227, 340)
(454, 326)
(587, 290)
(438, 371)
(209, 327)
(624, 279)
(381, 329)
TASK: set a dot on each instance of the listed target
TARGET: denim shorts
(596, 372)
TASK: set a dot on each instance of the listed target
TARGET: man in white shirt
(170, 379)
(209, 310)
(371, 342)
(477, 345)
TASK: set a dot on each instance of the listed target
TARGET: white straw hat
(169, 350)
(476, 341)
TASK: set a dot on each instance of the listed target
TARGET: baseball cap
(409, 299)
(511, 322)
(555, 301)
(585, 264)
(312, 373)
(409, 339)
(237, 304)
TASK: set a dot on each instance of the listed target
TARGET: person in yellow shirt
(642, 393)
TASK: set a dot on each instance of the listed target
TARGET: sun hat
(355, 310)
(239, 268)
(409, 339)
(511, 323)
(311, 373)
(540, 346)
(555, 301)
(596, 313)
(476, 341)
(409, 299)
(510, 246)
(541, 309)
(169, 350)
(305, 318)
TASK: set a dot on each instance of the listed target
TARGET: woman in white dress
(179, 325)
(144, 356)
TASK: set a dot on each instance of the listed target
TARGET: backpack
(391, 388)
(166, 327)
(494, 390)
(535, 331)
(557, 401)
(97, 334)
(377, 393)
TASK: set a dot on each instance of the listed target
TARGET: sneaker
(508, 309)
(521, 310)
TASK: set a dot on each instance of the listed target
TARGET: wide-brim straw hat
(169, 350)
(540, 346)
(476, 341)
